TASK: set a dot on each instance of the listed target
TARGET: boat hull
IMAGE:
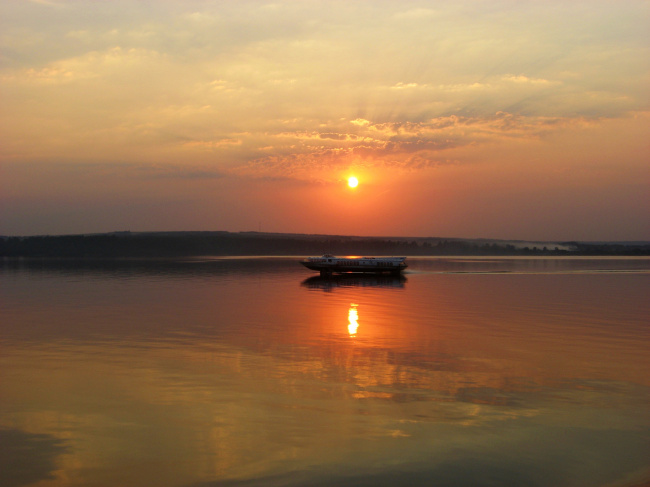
(364, 265)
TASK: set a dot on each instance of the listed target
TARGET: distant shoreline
(192, 244)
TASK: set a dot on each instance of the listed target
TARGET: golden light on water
(353, 316)
(353, 182)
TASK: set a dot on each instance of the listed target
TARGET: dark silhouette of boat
(329, 264)
(348, 280)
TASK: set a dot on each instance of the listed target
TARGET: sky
(474, 118)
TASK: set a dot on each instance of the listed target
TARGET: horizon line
(489, 239)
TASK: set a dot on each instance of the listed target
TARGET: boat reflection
(353, 317)
(327, 283)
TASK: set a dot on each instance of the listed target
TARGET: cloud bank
(309, 91)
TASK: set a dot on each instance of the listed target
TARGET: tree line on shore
(187, 244)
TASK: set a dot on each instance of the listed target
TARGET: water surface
(253, 371)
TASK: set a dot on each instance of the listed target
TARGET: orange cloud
(401, 145)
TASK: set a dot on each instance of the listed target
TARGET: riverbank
(185, 244)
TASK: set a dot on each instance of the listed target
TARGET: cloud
(188, 80)
(409, 146)
(211, 145)
(403, 86)
(49, 3)
(333, 136)
(416, 14)
(525, 79)
(165, 171)
(360, 121)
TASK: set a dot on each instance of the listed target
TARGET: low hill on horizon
(127, 244)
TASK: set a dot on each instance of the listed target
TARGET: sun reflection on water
(353, 316)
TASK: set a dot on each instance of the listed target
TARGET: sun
(353, 182)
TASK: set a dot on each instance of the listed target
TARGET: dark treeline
(186, 244)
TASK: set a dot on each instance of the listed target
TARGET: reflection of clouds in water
(26, 458)
(544, 457)
(451, 380)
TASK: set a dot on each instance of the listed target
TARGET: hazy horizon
(335, 235)
(481, 120)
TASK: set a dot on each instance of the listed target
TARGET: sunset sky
(497, 119)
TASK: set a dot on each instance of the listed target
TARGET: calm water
(249, 372)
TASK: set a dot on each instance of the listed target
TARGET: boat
(329, 264)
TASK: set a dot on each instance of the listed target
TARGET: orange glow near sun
(353, 182)
(353, 316)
